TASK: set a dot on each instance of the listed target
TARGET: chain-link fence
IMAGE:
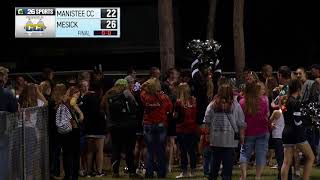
(24, 152)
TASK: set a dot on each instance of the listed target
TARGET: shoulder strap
(229, 119)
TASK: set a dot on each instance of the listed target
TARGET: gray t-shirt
(220, 128)
(306, 90)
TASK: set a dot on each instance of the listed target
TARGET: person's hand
(274, 105)
(273, 125)
(175, 115)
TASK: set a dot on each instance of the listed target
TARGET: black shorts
(294, 135)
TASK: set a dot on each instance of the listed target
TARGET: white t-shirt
(279, 126)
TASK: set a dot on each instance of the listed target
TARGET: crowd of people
(153, 122)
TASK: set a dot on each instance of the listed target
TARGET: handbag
(63, 124)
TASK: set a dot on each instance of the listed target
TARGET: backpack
(63, 117)
(121, 106)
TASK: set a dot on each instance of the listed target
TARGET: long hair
(70, 92)
(184, 93)
(262, 87)
(58, 94)
(222, 102)
(252, 98)
(28, 97)
(45, 87)
(294, 86)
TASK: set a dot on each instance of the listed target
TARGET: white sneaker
(182, 175)
(274, 167)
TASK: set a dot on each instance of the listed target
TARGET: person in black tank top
(294, 133)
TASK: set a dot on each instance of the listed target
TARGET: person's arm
(79, 112)
(76, 108)
(169, 104)
(208, 115)
(240, 120)
(40, 96)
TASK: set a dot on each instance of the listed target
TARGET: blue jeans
(207, 155)
(188, 145)
(225, 156)
(257, 143)
(155, 139)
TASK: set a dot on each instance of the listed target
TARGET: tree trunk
(238, 37)
(166, 34)
(211, 18)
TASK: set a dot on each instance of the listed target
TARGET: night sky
(276, 32)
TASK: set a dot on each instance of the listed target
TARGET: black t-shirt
(295, 122)
(293, 112)
(94, 122)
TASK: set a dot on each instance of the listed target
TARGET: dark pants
(187, 145)
(71, 154)
(54, 154)
(206, 160)
(155, 138)
(278, 148)
(226, 157)
(123, 139)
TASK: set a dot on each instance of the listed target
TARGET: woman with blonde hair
(45, 89)
(68, 111)
(185, 112)
(157, 105)
(57, 95)
(256, 110)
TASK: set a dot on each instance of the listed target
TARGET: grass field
(269, 174)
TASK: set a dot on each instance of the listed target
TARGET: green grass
(269, 174)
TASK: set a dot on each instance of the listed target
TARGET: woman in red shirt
(157, 105)
(185, 110)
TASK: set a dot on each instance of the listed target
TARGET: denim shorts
(259, 144)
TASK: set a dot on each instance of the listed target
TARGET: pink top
(257, 124)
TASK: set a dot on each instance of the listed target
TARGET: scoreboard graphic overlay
(45, 22)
